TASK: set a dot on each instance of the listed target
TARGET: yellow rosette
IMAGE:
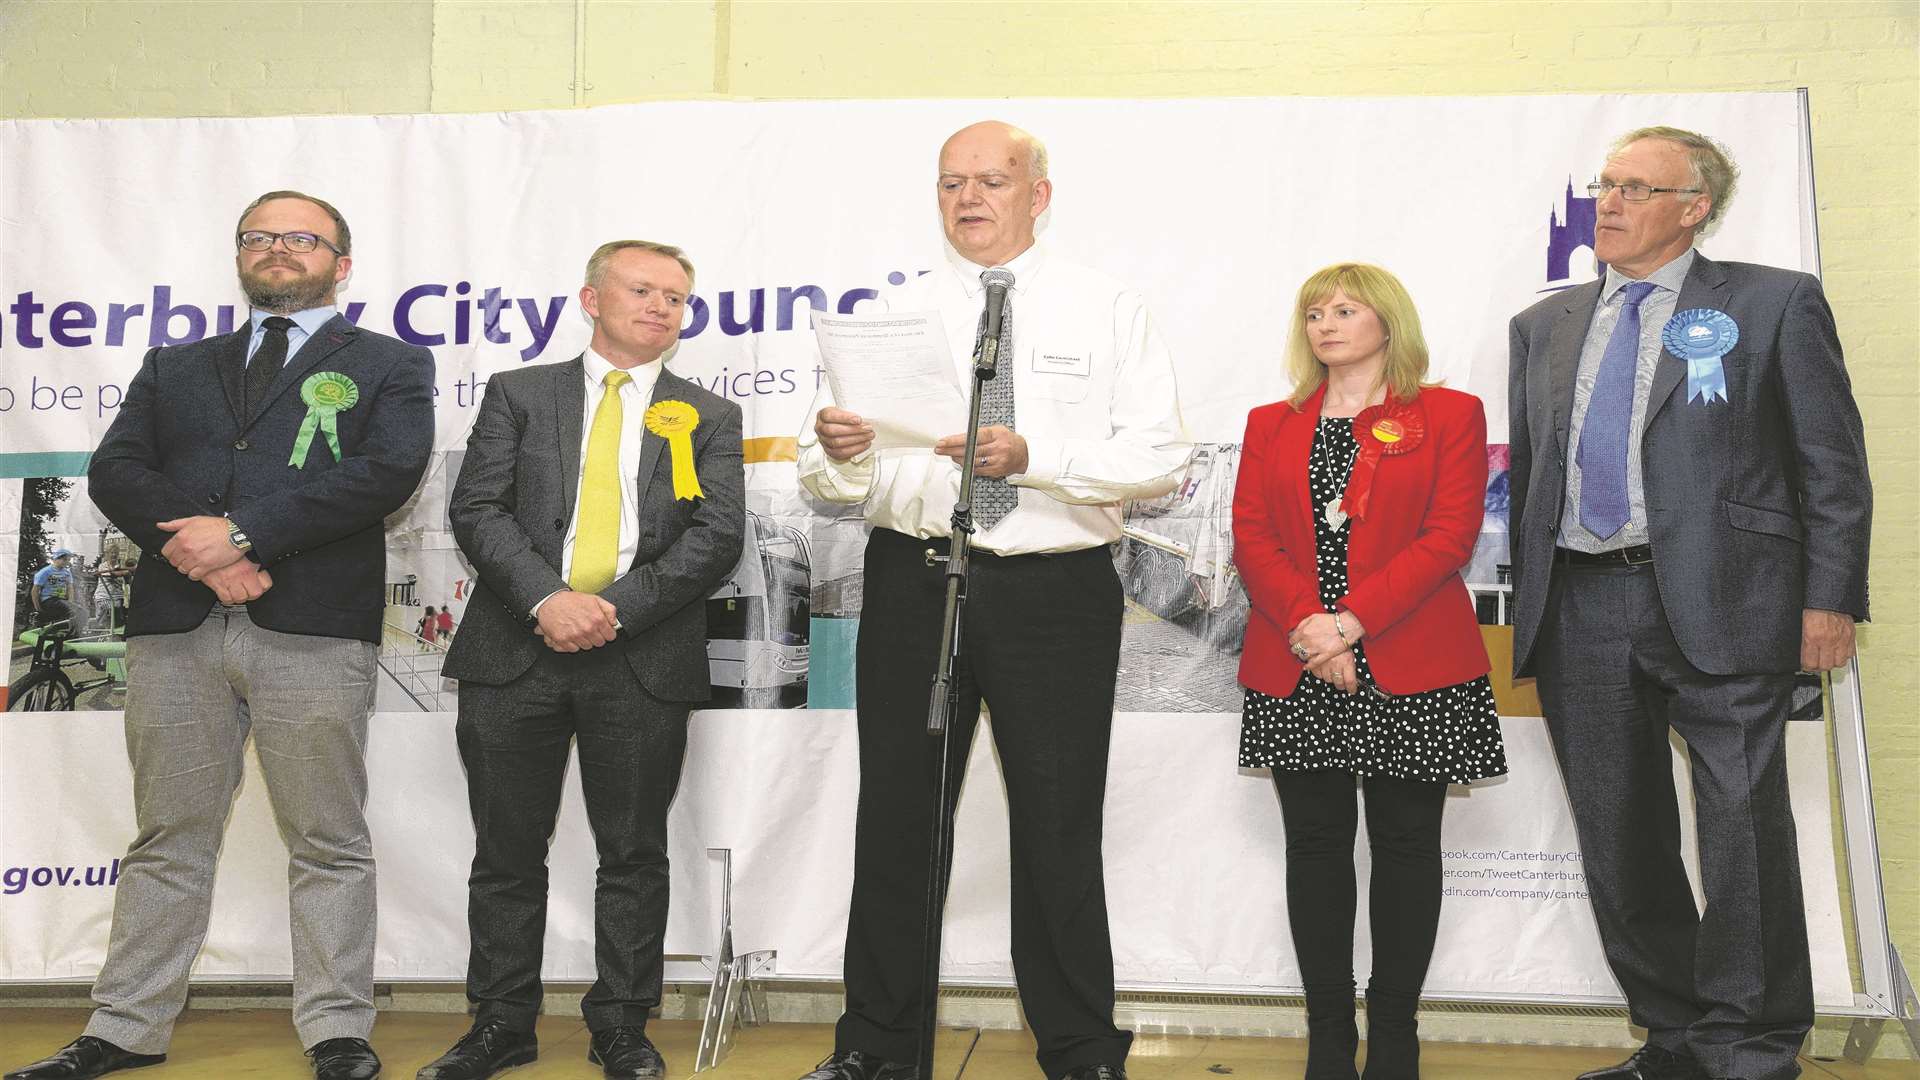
(674, 421)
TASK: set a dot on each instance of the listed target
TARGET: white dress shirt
(1093, 397)
(635, 397)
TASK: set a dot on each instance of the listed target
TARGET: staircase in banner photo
(410, 665)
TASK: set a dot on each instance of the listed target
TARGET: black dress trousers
(1042, 648)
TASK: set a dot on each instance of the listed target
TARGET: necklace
(1335, 517)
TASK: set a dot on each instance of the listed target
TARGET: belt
(1637, 555)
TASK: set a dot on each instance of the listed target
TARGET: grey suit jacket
(1757, 507)
(515, 495)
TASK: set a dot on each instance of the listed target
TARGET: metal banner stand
(1886, 990)
(734, 996)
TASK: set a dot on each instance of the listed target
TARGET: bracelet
(1341, 629)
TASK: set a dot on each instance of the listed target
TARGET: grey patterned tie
(993, 497)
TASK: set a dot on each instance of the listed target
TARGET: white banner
(470, 234)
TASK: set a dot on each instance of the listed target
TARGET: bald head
(993, 188)
(1023, 149)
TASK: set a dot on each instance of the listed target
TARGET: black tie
(267, 361)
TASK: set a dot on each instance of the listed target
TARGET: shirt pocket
(1058, 373)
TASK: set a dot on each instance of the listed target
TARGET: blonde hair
(602, 255)
(1406, 369)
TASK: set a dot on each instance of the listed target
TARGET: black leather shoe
(625, 1053)
(83, 1057)
(488, 1047)
(1650, 1063)
(343, 1059)
(1096, 1072)
(860, 1065)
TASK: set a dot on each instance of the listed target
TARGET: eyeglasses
(1635, 192)
(297, 242)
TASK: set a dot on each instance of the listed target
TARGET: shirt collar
(309, 321)
(1023, 267)
(1669, 277)
(597, 367)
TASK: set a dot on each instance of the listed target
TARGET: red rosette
(1382, 430)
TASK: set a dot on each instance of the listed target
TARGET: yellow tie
(596, 545)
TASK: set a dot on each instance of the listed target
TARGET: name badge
(1058, 363)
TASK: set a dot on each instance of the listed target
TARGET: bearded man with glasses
(254, 470)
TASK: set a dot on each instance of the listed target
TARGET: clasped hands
(1317, 644)
(571, 621)
(200, 549)
(999, 451)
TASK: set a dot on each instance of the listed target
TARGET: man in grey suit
(1689, 526)
(256, 610)
(600, 503)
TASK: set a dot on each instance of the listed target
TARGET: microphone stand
(944, 703)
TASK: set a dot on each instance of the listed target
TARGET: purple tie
(1603, 435)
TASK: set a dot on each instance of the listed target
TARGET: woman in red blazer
(1358, 502)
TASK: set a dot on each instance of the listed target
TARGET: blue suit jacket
(181, 447)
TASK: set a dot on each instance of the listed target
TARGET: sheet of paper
(896, 370)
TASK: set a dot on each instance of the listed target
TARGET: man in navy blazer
(254, 469)
(1690, 520)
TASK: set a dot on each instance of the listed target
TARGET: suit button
(213, 500)
(240, 444)
(558, 524)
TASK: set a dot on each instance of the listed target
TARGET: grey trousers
(192, 699)
(1731, 987)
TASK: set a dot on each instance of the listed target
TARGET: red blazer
(1403, 559)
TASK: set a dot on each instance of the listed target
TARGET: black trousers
(1731, 987)
(1042, 648)
(514, 741)
(1321, 814)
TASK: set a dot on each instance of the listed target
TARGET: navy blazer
(1758, 507)
(181, 447)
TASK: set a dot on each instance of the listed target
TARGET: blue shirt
(53, 582)
(305, 324)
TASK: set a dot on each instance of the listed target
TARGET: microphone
(997, 282)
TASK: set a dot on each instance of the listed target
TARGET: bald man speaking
(1082, 417)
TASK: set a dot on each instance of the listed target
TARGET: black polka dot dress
(1451, 734)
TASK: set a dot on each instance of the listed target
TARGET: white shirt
(1093, 397)
(635, 396)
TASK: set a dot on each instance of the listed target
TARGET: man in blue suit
(254, 470)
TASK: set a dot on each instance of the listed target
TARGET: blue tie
(1603, 435)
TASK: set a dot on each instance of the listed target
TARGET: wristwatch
(237, 538)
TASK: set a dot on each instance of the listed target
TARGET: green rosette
(327, 394)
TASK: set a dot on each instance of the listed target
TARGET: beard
(287, 295)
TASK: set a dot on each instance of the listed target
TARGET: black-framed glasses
(297, 242)
(1635, 192)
